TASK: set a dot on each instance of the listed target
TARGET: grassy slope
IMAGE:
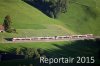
(81, 20)
(85, 48)
(23, 15)
(29, 21)
(43, 45)
(27, 17)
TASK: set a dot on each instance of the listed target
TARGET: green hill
(23, 15)
(29, 21)
(83, 16)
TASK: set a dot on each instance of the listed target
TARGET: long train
(86, 36)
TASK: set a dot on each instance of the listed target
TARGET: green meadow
(86, 48)
(82, 17)
(29, 21)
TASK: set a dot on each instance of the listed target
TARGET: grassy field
(86, 48)
(29, 21)
(23, 15)
(83, 16)
(43, 45)
(51, 30)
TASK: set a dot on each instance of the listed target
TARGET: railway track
(53, 39)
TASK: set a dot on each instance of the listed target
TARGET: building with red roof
(1, 28)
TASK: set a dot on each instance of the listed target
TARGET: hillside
(80, 14)
(29, 21)
(23, 15)
(83, 16)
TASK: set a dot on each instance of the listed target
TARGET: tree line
(30, 53)
(52, 8)
(22, 53)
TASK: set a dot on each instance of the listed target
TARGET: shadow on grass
(86, 48)
(41, 5)
(8, 39)
(78, 48)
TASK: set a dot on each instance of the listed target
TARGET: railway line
(53, 39)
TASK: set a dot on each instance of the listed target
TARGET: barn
(1, 28)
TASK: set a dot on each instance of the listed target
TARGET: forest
(51, 8)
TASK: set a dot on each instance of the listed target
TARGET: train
(86, 36)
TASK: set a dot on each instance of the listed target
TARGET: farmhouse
(1, 28)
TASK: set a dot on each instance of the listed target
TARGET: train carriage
(86, 36)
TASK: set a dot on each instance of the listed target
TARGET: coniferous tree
(7, 23)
